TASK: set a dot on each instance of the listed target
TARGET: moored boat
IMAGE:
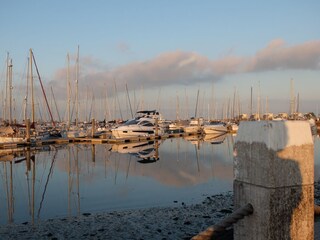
(145, 124)
(194, 127)
(215, 128)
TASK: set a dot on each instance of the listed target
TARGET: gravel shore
(180, 222)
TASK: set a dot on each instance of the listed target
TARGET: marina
(159, 120)
(104, 176)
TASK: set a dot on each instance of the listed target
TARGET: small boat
(195, 126)
(233, 127)
(215, 128)
(177, 126)
(12, 134)
(76, 133)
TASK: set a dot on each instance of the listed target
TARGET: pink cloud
(181, 67)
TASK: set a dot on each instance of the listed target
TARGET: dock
(90, 140)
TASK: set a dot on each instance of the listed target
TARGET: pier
(92, 140)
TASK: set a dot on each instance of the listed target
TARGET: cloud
(277, 55)
(180, 67)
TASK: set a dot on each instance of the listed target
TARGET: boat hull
(192, 129)
(130, 133)
(215, 129)
(12, 140)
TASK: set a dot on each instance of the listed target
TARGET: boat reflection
(15, 155)
(198, 139)
(215, 138)
(146, 152)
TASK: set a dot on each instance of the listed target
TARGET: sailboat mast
(26, 97)
(77, 86)
(117, 99)
(7, 87)
(42, 88)
(251, 103)
(234, 104)
(31, 86)
(292, 98)
(195, 113)
(298, 103)
(129, 101)
(259, 102)
(55, 104)
(10, 90)
(68, 88)
(178, 108)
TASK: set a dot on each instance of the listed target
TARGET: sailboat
(10, 133)
(195, 124)
(17, 133)
(215, 128)
(74, 131)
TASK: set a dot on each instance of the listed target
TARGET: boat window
(146, 123)
(130, 122)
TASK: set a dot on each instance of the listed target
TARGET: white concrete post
(274, 171)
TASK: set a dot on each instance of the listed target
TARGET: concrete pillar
(274, 171)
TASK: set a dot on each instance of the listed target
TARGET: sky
(143, 54)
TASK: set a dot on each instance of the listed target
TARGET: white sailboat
(194, 126)
(75, 131)
(10, 133)
(215, 128)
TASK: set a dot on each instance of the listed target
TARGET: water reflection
(146, 152)
(62, 181)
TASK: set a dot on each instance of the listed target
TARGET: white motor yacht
(143, 125)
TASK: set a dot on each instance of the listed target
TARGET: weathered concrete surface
(256, 164)
(279, 213)
(274, 171)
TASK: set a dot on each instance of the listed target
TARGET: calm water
(62, 181)
(73, 179)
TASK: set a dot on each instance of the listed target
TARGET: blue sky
(166, 50)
